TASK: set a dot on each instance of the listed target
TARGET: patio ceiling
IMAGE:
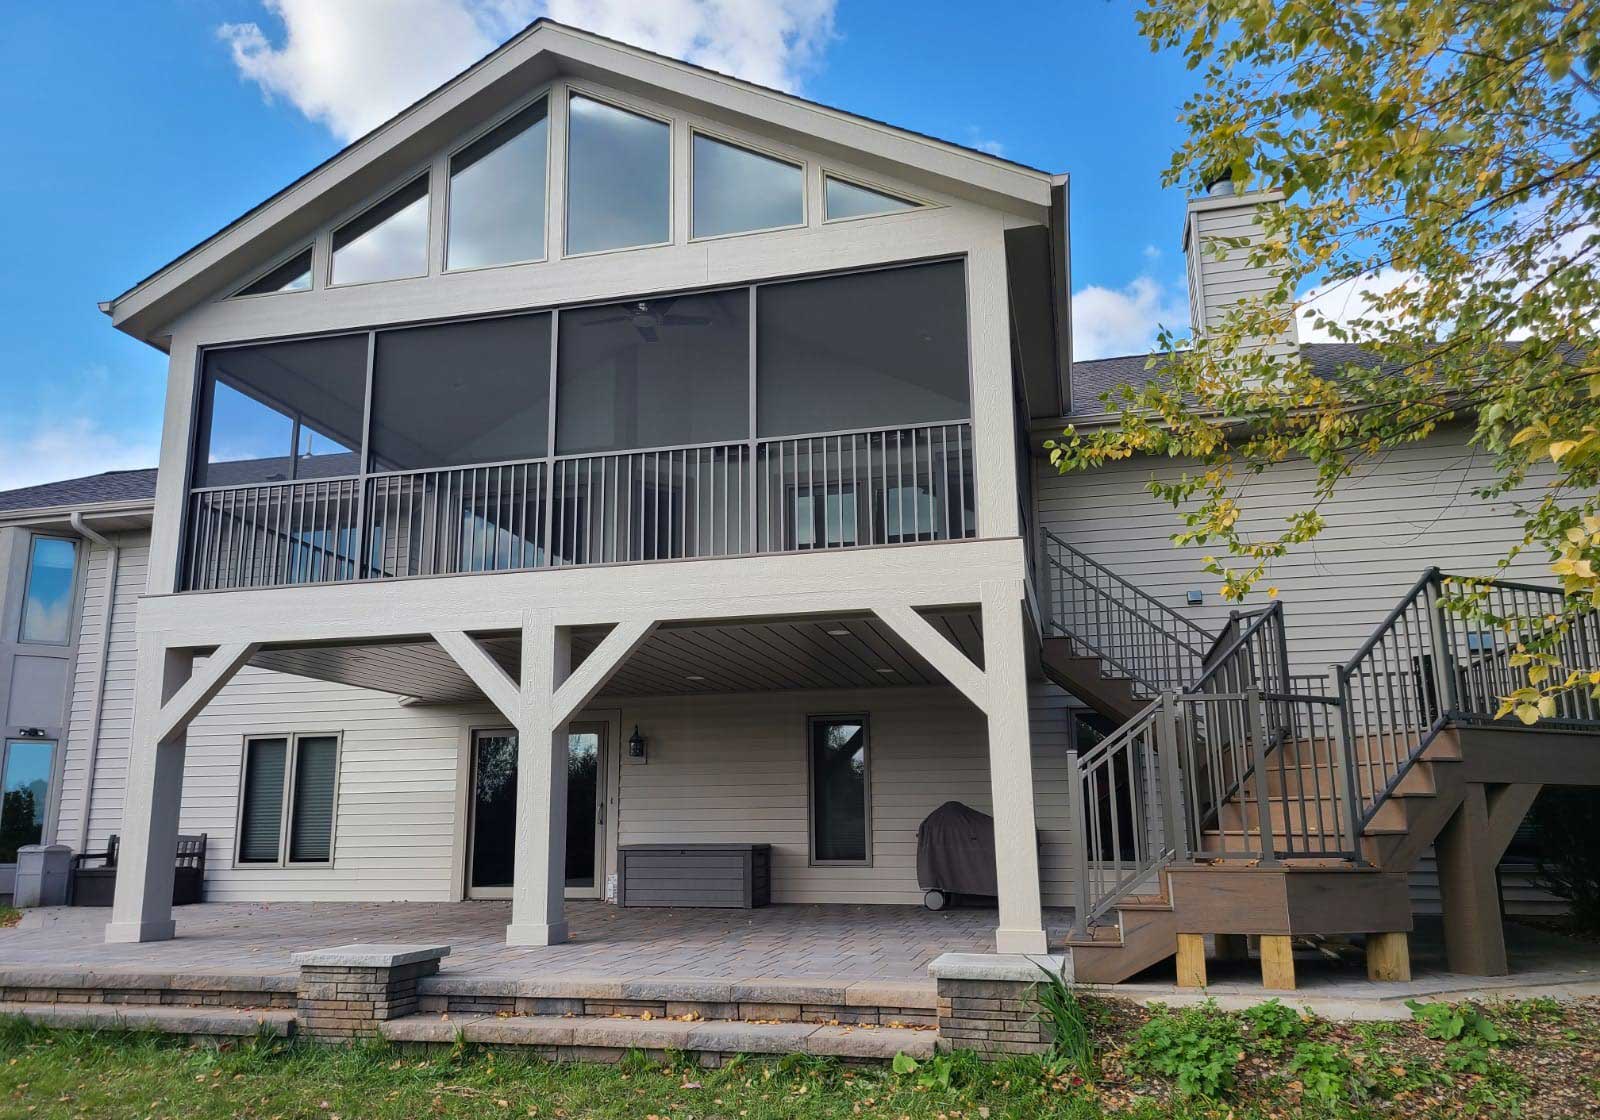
(770, 655)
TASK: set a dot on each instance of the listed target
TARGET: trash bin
(43, 873)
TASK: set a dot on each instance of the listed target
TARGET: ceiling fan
(648, 316)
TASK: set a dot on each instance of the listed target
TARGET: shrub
(1569, 851)
(1322, 1070)
(1198, 1047)
(1273, 1027)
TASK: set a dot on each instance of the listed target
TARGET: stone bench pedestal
(347, 991)
(987, 1001)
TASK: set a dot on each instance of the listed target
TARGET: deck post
(1021, 928)
(538, 875)
(1474, 937)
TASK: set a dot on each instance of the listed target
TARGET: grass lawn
(1543, 1061)
(9, 916)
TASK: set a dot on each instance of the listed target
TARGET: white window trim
(426, 173)
(866, 788)
(72, 595)
(544, 94)
(615, 102)
(799, 164)
(869, 185)
(285, 810)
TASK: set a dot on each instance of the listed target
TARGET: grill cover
(955, 851)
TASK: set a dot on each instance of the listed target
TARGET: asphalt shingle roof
(113, 486)
(1092, 379)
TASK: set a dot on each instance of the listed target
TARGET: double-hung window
(287, 802)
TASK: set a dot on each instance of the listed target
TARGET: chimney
(1217, 285)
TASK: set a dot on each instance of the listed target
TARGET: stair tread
(166, 1019)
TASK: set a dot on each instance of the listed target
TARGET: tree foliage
(1443, 159)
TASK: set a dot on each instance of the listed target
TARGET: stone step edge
(34, 976)
(909, 994)
(231, 1022)
(705, 1036)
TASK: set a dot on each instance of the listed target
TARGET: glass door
(25, 767)
(492, 826)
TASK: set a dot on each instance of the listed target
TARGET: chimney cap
(1220, 183)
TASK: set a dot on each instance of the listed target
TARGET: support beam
(590, 677)
(168, 694)
(1191, 960)
(1474, 938)
(1507, 806)
(483, 670)
(955, 666)
(1016, 838)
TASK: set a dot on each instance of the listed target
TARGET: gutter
(97, 706)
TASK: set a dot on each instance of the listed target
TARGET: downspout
(107, 606)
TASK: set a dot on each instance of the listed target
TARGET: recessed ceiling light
(841, 633)
(886, 670)
(694, 677)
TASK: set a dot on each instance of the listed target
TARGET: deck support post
(168, 693)
(1389, 956)
(1474, 938)
(1021, 928)
(1191, 960)
(1232, 946)
(538, 875)
(1277, 962)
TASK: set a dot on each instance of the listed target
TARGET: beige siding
(1395, 517)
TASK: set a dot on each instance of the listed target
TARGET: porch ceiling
(770, 655)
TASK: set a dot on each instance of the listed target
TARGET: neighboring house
(607, 452)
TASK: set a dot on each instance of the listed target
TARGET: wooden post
(1388, 956)
(1277, 961)
(1232, 946)
(1474, 939)
(1191, 960)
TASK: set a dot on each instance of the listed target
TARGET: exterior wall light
(636, 745)
(30, 732)
(1195, 598)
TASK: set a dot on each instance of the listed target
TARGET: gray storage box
(43, 873)
(734, 876)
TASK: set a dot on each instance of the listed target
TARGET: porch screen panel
(316, 768)
(868, 350)
(261, 819)
(839, 790)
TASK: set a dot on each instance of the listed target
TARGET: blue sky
(140, 128)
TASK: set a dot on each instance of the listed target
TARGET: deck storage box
(733, 876)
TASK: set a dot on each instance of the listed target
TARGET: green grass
(9, 916)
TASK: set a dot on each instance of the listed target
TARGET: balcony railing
(801, 493)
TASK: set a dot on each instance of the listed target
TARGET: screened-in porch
(824, 413)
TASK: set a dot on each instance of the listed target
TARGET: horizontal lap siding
(1392, 519)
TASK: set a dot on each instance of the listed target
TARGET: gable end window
(287, 800)
(840, 781)
(843, 199)
(497, 189)
(293, 275)
(619, 178)
(389, 241)
(737, 190)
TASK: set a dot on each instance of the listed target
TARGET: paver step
(210, 1021)
(588, 1034)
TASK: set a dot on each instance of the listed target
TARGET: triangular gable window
(740, 191)
(497, 189)
(844, 199)
(387, 242)
(293, 275)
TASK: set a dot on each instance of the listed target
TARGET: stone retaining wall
(830, 1014)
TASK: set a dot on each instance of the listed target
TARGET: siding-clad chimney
(1217, 285)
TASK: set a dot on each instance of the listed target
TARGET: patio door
(491, 828)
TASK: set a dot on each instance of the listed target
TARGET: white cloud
(1345, 300)
(1108, 322)
(73, 448)
(352, 64)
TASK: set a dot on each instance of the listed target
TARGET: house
(605, 452)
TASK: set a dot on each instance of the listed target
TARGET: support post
(1277, 962)
(1389, 956)
(1232, 946)
(539, 864)
(1021, 928)
(1474, 938)
(1191, 960)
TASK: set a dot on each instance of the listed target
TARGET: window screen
(315, 770)
(47, 607)
(462, 393)
(387, 242)
(261, 820)
(839, 790)
(654, 373)
(281, 411)
(868, 350)
(737, 190)
(497, 194)
(619, 168)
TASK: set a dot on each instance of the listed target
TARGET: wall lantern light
(636, 745)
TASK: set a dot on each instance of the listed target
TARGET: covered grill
(955, 854)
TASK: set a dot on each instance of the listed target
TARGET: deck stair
(1242, 798)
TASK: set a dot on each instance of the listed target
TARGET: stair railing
(1126, 792)
(1134, 634)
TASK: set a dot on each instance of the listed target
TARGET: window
(47, 602)
(290, 785)
(497, 188)
(294, 275)
(388, 242)
(25, 768)
(619, 178)
(282, 411)
(462, 393)
(844, 199)
(654, 373)
(840, 820)
(868, 350)
(739, 191)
